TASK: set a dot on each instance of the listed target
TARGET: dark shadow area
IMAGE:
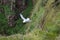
(19, 26)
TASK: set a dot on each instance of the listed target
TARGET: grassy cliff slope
(44, 25)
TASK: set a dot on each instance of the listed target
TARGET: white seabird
(25, 20)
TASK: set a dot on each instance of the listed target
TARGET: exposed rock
(11, 20)
(20, 5)
(1, 10)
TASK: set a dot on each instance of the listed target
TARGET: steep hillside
(44, 25)
(5, 29)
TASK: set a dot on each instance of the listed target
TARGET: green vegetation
(44, 25)
(19, 28)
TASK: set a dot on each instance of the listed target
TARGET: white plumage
(24, 19)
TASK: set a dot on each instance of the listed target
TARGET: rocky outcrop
(11, 20)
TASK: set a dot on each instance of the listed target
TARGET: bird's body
(24, 20)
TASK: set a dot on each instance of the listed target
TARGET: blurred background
(44, 15)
